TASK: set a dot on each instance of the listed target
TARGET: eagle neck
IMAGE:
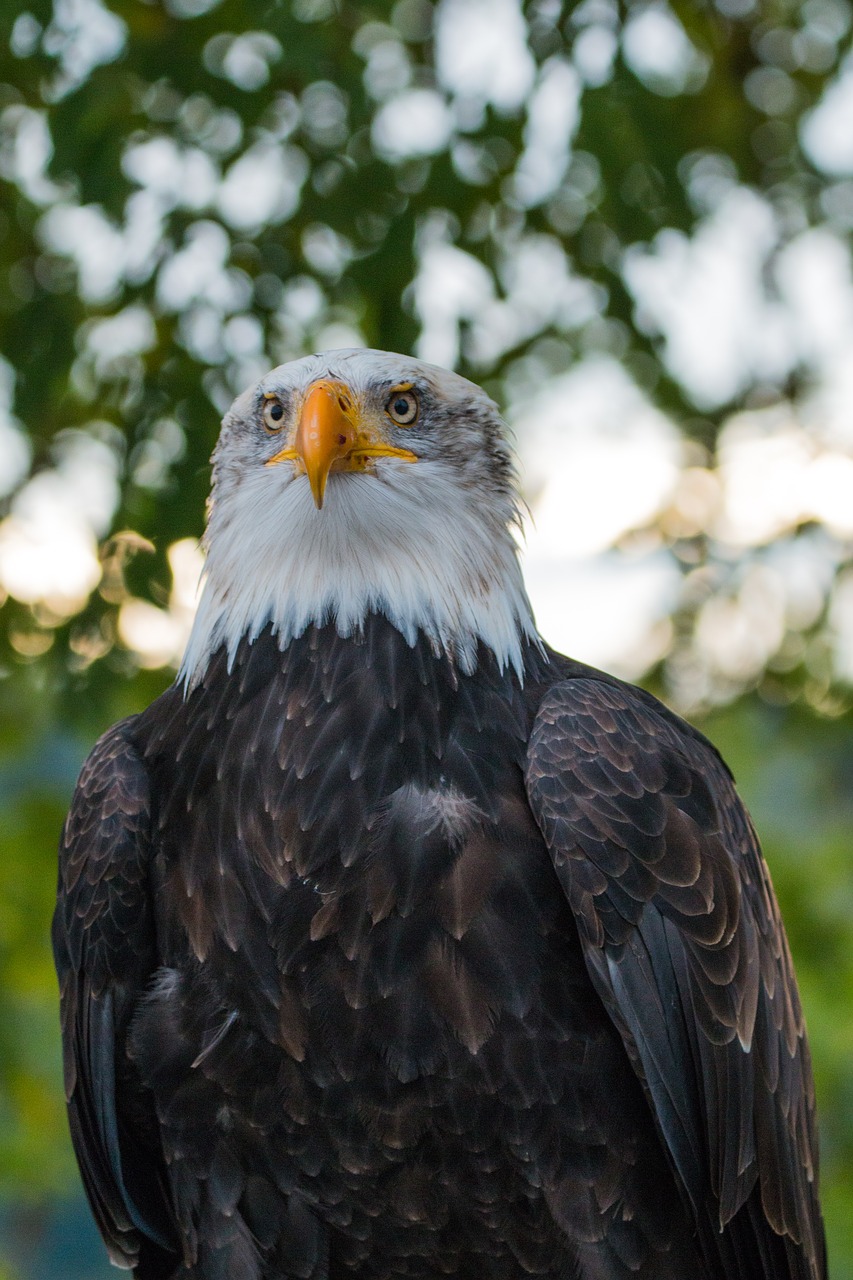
(432, 566)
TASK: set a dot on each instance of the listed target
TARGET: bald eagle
(392, 943)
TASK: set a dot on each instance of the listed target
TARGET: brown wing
(684, 944)
(103, 944)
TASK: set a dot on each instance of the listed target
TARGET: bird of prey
(392, 943)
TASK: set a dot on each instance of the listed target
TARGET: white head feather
(428, 544)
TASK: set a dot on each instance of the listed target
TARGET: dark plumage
(378, 962)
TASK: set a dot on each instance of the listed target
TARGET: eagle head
(363, 481)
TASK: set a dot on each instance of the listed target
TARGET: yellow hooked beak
(330, 436)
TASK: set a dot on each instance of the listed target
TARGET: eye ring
(403, 406)
(273, 414)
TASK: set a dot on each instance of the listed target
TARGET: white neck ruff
(415, 548)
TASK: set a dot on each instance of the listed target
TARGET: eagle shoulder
(685, 946)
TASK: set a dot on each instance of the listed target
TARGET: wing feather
(684, 944)
(103, 941)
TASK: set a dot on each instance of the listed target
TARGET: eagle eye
(402, 406)
(273, 414)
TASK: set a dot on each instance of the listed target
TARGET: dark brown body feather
(370, 968)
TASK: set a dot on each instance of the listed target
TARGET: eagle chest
(352, 877)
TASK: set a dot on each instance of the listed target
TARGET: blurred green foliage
(133, 134)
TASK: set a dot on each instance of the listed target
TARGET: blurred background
(630, 222)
